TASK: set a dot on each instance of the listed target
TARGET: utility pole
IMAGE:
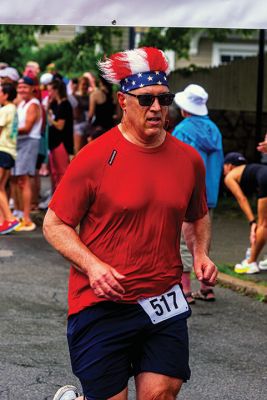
(260, 90)
(131, 38)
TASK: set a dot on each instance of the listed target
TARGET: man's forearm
(197, 235)
(66, 241)
(104, 279)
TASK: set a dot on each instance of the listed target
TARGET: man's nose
(155, 105)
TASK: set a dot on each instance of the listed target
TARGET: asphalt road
(228, 338)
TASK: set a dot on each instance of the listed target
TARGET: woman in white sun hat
(193, 100)
(199, 131)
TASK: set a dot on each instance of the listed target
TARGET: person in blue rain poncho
(197, 130)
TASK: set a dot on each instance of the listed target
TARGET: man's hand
(205, 270)
(104, 281)
(262, 147)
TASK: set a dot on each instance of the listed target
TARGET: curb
(246, 287)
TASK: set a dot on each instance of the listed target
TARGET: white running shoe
(247, 268)
(253, 268)
(67, 392)
(241, 268)
(263, 265)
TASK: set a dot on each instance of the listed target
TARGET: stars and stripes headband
(134, 69)
(142, 79)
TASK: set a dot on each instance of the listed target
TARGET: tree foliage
(79, 55)
(87, 47)
(101, 36)
(18, 44)
(15, 39)
(178, 39)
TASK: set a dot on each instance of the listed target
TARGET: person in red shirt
(130, 192)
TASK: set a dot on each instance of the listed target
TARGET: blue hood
(206, 138)
(203, 132)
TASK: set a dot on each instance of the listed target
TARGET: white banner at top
(250, 14)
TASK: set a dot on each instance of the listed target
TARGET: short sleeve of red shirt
(76, 191)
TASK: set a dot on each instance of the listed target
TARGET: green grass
(261, 298)
(229, 270)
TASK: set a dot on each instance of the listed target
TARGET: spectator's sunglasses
(146, 100)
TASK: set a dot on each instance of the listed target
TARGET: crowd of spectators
(45, 119)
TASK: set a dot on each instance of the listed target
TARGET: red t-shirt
(130, 202)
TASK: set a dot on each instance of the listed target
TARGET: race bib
(165, 306)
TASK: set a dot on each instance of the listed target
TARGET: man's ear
(121, 100)
(184, 114)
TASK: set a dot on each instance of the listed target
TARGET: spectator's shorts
(81, 128)
(109, 342)
(6, 160)
(186, 256)
(262, 183)
(27, 152)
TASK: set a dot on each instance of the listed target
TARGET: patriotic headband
(134, 69)
(142, 79)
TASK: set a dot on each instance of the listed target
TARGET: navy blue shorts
(6, 160)
(110, 342)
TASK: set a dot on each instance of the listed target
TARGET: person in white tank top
(29, 134)
(29, 124)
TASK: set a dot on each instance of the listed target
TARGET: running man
(130, 191)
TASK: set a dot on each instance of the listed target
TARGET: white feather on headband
(130, 62)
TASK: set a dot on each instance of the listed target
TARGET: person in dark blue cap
(235, 158)
(242, 180)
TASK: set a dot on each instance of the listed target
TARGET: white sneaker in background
(263, 265)
(252, 268)
(67, 392)
(246, 268)
(240, 269)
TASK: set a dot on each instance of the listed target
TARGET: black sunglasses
(146, 100)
